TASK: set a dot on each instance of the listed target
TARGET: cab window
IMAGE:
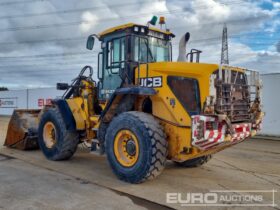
(115, 58)
(116, 54)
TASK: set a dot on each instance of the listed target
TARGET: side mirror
(90, 42)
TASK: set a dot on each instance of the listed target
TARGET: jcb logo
(151, 82)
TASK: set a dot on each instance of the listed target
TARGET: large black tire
(65, 143)
(196, 162)
(152, 146)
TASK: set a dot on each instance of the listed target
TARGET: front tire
(55, 141)
(136, 147)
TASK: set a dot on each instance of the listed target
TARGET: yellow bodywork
(175, 119)
(82, 111)
(128, 25)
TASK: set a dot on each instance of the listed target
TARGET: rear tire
(196, 162)
(148, 158)
(55, 141)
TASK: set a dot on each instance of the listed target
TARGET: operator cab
(123, 49)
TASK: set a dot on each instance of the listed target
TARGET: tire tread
(158, 145)
(68, 146)
(159, 152)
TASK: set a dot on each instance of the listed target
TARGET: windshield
(160, 49)
(151, 50)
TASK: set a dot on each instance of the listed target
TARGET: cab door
(114, 55)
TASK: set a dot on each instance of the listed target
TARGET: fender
(123, 99)
(66, 114)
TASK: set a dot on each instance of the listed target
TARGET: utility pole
(224, 53)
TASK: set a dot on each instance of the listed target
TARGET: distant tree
(3, 88)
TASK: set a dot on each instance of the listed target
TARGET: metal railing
(237, 91)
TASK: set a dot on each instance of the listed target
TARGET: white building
(271, 103)
(26, 99)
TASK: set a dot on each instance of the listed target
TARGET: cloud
(278, 47)
(204, 19)
(90, 20)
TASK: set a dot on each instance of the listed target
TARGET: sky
(42, 42)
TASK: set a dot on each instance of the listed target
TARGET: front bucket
(22, 129)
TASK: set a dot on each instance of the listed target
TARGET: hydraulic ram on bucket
(22, 129)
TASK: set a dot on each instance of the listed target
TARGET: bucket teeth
(22, 130)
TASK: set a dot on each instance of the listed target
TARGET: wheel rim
(49, 135)
(126, 148)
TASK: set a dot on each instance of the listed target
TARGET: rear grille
(233, 99)
(186, 91)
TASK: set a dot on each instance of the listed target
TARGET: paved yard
(87, 181)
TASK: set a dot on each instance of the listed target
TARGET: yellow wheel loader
(145, 109)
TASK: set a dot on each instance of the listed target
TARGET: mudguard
(124, 96)
(66, 114)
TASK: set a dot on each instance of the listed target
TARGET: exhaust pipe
(183, 47)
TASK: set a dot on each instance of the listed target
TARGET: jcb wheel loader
(145, 109)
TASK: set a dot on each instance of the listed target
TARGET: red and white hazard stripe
(205, 139)
(242, 131)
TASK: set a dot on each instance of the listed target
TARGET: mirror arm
(96, 36)
(90, 41)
